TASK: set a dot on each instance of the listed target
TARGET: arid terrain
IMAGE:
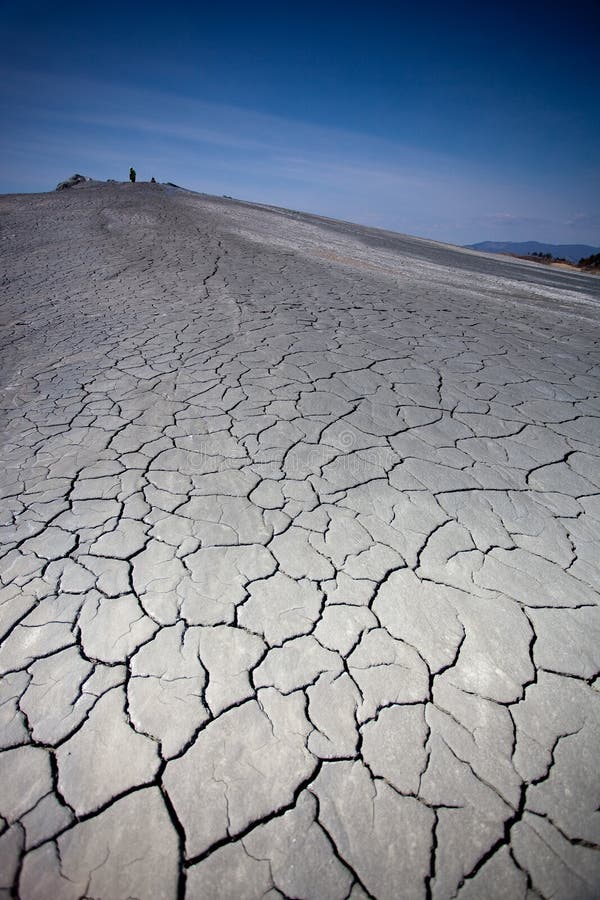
(300, 540)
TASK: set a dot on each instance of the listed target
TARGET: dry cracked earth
(300, 593)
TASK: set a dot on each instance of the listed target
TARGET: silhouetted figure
(132, 174)
(153, 180)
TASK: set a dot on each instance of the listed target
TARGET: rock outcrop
(73, 181)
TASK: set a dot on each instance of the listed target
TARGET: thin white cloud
(101, 127)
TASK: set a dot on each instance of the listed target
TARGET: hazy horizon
(462, 125)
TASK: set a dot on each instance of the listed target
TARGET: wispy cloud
(584, 220)
(510, 220)
(101, 128)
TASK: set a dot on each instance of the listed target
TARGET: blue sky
(457, 121)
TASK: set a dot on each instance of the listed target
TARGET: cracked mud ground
(299, 575)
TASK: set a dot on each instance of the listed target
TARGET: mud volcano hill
(300, 559)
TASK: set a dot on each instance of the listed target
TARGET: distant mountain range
(572, 252)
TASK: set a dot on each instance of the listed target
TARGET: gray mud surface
(300, 585)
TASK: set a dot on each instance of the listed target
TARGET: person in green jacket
(132, 174)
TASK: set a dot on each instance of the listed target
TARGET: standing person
(132, 174)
